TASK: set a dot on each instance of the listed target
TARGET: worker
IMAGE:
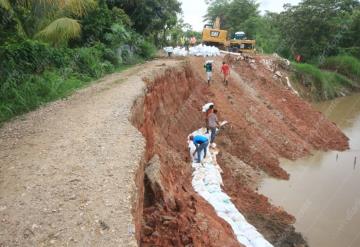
(193, 41)
(207, 113)
(213, 123)
(225, 70)
(208, 68)
(298, 58)
(201, 143)
(169, 50)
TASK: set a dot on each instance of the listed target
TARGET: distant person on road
(213, 124)
(193, 41)
(201, 143)
(225, 70)
(169, 50)
(208, 68)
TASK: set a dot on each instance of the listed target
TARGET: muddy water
(324, 190)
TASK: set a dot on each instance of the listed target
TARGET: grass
(345, 65)
(324, 84)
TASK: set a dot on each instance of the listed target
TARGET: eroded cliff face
(267, 121)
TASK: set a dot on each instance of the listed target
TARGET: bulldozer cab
(239, 43)
(239, 36)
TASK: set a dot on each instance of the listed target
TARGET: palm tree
(56, 24)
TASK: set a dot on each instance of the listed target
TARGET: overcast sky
(194, 10)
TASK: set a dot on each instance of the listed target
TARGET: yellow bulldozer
(213, 35)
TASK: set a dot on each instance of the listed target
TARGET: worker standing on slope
(208, 68)
(213, 124)
(207, 113)
(201, 143)
(225, 70)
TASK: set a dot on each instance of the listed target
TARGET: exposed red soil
(177, 216)
(267, 121)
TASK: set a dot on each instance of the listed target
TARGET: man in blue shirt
(201, 143)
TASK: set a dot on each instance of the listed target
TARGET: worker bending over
(201, 143)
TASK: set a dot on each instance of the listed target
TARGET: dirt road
(67, 170)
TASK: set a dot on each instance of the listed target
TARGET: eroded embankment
(267, 122)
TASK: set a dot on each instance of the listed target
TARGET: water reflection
(324, 189)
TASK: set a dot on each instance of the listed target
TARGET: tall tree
(315, 27)
(233, 14)
(149, 16)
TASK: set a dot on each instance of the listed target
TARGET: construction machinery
(213, 35)
(239, 43)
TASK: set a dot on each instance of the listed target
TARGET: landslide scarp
(267, 121)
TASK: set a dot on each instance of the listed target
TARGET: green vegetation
(323, 84)
(49, 48)
(346, 65)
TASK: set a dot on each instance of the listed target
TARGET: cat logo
(214, 34)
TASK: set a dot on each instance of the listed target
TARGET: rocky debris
(147, 230)
(274, 63)
(291, 87)
(278, 74)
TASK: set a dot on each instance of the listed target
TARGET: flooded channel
(324, 190)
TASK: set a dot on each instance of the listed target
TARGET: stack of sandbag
(207, 182)
(204, 51)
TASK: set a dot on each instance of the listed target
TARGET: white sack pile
(207, 182)
(200, 50)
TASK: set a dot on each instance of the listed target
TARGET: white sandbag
(207, 182)
(206, 107)
(169, 49)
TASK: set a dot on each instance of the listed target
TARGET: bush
(18, 98)
(108, 26)
(90, 61)
(147, 50)
(33, 73)
(346, 65)
(352, 51)
(28, 56)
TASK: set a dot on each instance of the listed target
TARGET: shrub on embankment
(348, 66)
(323, 85)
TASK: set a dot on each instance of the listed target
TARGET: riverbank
(334, 77)
(267, 121)
(326, 206)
